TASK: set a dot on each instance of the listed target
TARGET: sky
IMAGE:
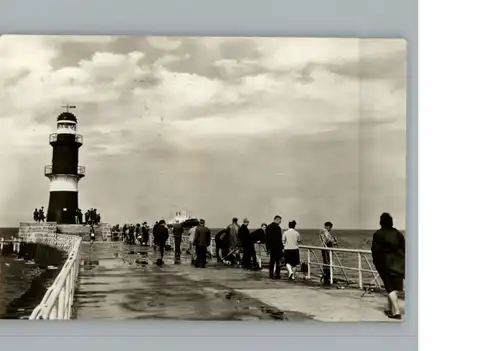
(312, 129)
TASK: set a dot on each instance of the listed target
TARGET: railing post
(331, 266)
(67, 300)
(308, 264)
(360, 272)
(60, 303)
(53, 312)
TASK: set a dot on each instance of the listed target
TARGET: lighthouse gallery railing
(57, 302)
(53, 138)
(80, 170)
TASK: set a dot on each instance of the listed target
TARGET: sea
(23, 283)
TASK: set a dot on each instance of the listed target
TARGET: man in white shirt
(291, 240)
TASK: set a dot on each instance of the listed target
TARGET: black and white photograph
(203, 178)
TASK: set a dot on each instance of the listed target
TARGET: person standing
(80, 216)
(92, 234)
(202, 240)
(154, 231)
(259, 238)
(388, 253)
(327, 240)
(219, 245)
(145, 234)
(35, 215)
(247, 244)
(160, 238)
(291, 240)
(274, 244)
(177, 231)
(41, 215)
(233, 241)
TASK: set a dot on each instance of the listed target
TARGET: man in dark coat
(41, 214)
(243, 239)
(160, 237)
(145, 234)
(202, 240)
(249, 257)
(35, 215)
(388, 253)
(274, 244)
(178, 230)
(219, 245)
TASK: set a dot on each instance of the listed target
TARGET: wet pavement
(123, 282)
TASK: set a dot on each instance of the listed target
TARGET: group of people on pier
(91, 216)
(235, 245)
(39, 215)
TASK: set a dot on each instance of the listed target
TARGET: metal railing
(57, 302)
(335, 261)
(81, 171)
(350, 265)
(48, 171)
(53, 138)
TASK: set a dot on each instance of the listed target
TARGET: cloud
(287, 119)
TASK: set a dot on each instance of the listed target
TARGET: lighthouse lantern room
(64, 173)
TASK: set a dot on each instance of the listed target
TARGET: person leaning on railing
(327, 240)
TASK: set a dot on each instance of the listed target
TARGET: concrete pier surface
(119, 281)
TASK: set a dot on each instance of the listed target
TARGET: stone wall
(45, 233)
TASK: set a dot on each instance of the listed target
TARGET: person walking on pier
(233, 241)
(202, 240)
(327, 240)
(177, 231)
(160, 239)
(274, 244)
(291, 240)
(247, 245)
(154, 231)
(259, 238)
(145, 234)
(388, 253)
(92, 234)
(35, 215)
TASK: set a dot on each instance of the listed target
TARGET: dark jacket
(219, 237)
(178, 230)
(274, 239)
(244, 235)
(202, 237)
(258, 235)
(388, 252)
(160, 235)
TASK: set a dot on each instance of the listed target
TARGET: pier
(112, 280)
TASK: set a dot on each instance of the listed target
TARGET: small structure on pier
(64, 173)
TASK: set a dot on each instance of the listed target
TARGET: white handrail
(57, 302)
(333, 254)
(335, 263)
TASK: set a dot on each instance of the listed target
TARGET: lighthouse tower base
(63, 201)
(62, 207)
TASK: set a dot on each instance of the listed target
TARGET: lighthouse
(64, 173)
